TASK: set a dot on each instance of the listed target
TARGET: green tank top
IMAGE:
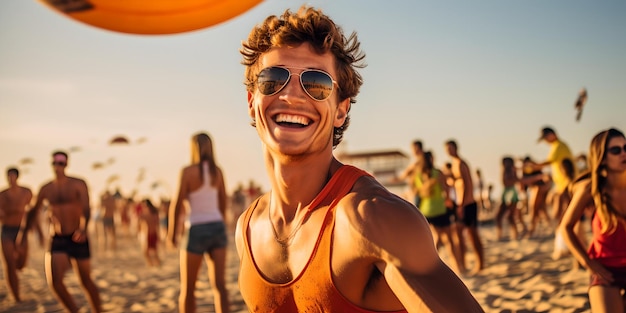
(432, 205)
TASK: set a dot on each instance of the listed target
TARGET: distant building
(384, 165)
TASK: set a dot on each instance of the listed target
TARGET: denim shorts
(203, 238)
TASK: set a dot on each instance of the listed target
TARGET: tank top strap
(338, 186)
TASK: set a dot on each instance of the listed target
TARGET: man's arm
(31, 217)
(417, 276)
(466, 176)
(80, 234)
(408, 171)
(84, 202)
(2, 205)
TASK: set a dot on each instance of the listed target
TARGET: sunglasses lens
(272, 79)
(616, 150)
(59, 163)
(318, 85)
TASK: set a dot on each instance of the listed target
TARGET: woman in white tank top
(202, 200)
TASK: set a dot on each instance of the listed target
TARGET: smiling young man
(327, 237)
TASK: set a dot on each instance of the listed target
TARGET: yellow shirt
(559, 151)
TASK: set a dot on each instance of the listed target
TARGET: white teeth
(294, 119)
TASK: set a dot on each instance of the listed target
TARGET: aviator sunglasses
(316, 83)
(616, 150)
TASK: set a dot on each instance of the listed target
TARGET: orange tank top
(313, 289)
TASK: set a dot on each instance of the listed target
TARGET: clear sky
(489, 74)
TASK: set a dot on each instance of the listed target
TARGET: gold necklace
(287, 241)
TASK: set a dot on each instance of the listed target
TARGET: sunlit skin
(371, 224)
(69, 213)
(464, 188)
(296, 142)
(601, 297)
(13, 202)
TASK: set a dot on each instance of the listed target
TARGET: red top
(313, 290)
(608, 249)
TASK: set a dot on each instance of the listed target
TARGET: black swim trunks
(470, 215)
(65, 244)
(442, 220)
(10, 232)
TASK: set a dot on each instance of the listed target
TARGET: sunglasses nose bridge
(293, 84)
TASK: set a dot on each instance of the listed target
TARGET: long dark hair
(597, 153)
(202, 151)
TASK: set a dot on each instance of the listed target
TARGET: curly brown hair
(314, 27)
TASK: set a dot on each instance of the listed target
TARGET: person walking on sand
(559, 151)
(467, 208)
(509, 200)
(606, 188)
(412, 170)
(433, 192)
(202, 191)
(483, 206)
(327, 237)
(13, 203)
(69, 214)
(536, 185)
(149, 221)
(108, 205)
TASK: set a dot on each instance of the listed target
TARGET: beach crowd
(328, 237)
(529, 202)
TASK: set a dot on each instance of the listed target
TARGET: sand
(520, 277)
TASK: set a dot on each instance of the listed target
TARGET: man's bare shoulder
(382, 225)
(26, 190)
(77, 181)
(45, 187)
(371, 207)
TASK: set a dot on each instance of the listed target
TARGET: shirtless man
(467, 208)
(108, 204)
(69, 213)
(13, 202)
(327, 237)
(413, 169)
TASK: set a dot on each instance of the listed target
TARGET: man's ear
(251, 110)
(342, 112)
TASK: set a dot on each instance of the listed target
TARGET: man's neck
(60, 177)
(297, 183)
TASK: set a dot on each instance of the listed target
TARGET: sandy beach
(520, 277)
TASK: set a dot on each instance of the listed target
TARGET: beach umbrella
(26, 161)
(112, 178)
(141, 140)
(119, 140)
(151, 17)
(580, 103)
